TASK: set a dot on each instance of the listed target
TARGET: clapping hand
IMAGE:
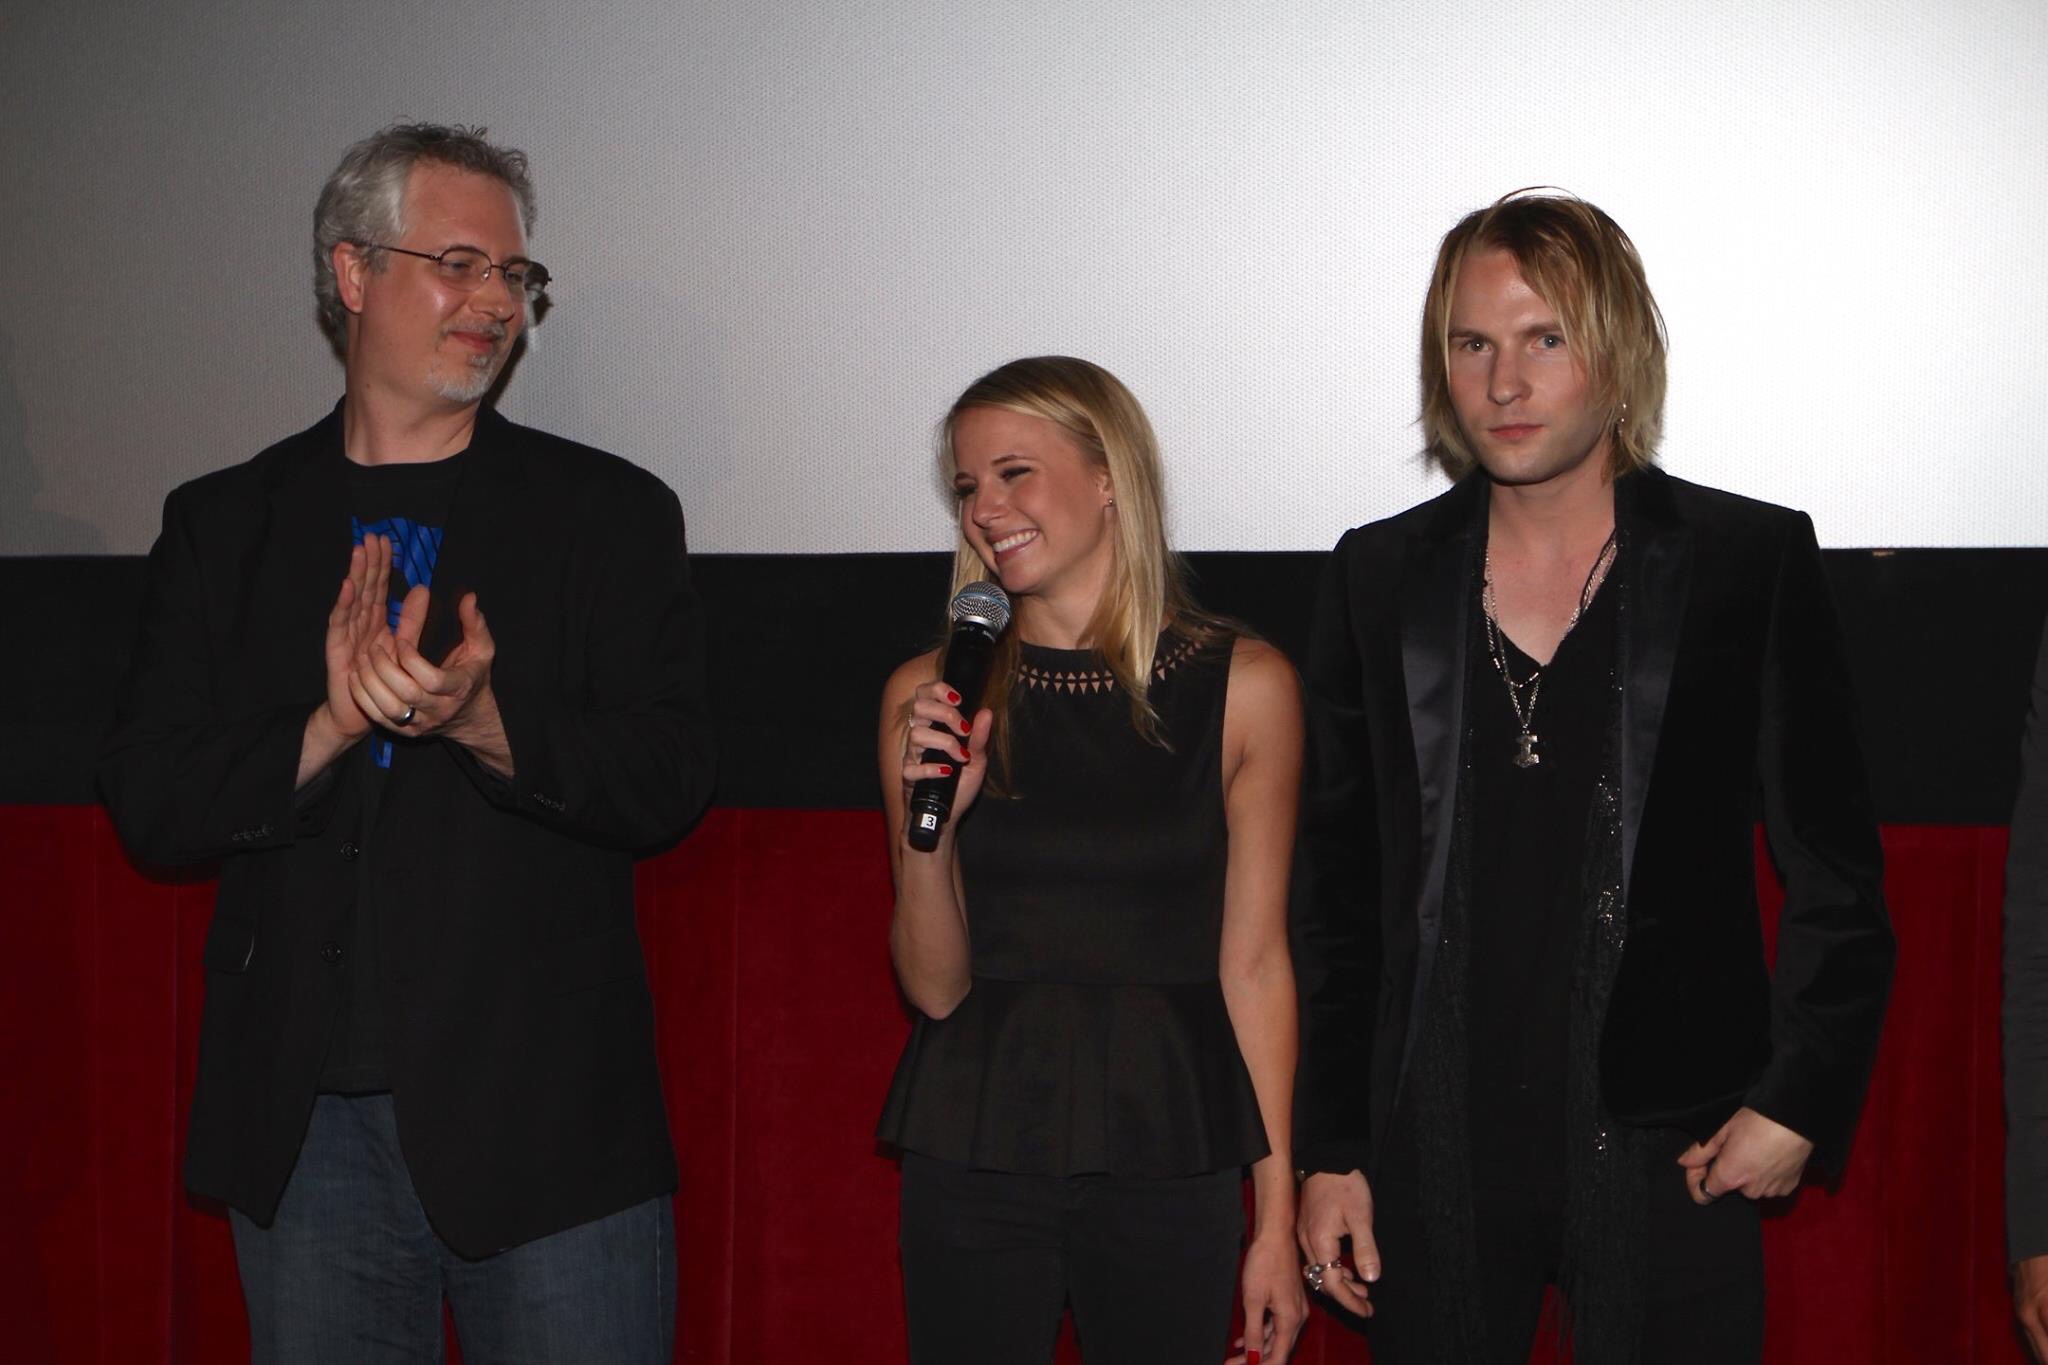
(358, 618)
(393, 682)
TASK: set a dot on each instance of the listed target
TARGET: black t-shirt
(1528, 900)
(409, 504)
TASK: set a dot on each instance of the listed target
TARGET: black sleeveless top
(1094, 1036)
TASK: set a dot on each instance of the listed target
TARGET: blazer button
(348, 853)
(330, 953)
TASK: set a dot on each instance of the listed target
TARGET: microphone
(980, 611)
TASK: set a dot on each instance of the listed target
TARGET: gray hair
(364, 200)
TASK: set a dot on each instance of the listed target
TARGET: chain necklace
(1522, 695)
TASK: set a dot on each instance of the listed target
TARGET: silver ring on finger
(1706, 1193)
(1314, 1273)
(406, 719)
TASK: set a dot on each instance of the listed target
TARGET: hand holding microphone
(951, 759)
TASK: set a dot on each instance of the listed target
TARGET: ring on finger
(406, 719)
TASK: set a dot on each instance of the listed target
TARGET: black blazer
(1734, 681)
(517, 1022)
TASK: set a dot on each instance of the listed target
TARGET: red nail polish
(945, 770)
(952, 698)
(966, 754)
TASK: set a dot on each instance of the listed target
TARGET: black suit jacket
(1734, 681)
(517, 1022)
(2026, 989)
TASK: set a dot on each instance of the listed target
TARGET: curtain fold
(766, 939)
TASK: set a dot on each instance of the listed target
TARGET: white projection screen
(786, 233)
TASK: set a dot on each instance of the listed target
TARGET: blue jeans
(350, 1272)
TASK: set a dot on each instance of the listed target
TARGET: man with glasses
(420, 680)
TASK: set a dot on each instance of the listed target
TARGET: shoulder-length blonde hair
(1583, 265)
(1148, 583)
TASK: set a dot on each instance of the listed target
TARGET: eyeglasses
(467, 269)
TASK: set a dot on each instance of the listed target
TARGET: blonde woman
(1096, 951)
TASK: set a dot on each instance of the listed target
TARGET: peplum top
(1094, 1037)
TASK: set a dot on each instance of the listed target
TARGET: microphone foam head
(983, 603)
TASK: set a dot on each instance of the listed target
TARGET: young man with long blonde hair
(1540, 1042)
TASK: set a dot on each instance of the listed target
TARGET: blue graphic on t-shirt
(414, 549)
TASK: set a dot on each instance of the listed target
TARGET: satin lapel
(1435, 602)
(1661, 546)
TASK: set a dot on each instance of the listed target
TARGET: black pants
(1706, 1271)
(991, 1258)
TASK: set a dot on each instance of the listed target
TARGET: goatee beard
(470, 385)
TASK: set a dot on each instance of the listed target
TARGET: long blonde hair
(1148, 583)
(1582, 264)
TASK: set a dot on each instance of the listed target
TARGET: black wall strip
(1942, 643)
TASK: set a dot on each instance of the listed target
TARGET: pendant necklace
(1522, 694)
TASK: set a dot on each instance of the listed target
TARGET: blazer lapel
(483, 513)
(305, 558)
(1435, 610)
(1661, 545)
(482, 516)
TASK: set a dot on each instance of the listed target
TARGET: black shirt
(1528, 899)
(409, 504)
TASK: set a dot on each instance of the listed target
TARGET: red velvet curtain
(779, 1025)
